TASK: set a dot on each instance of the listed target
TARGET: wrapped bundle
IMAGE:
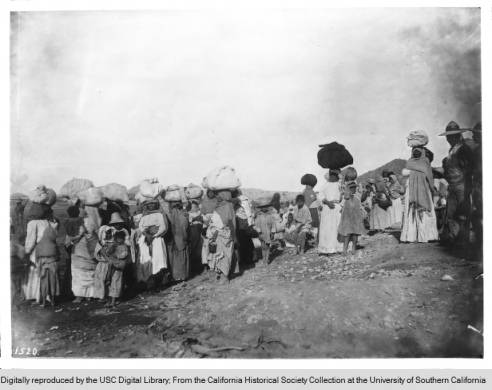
(173, 193)
(193, 191)
(417, 138)
(43, 195)
(334, 156)
(72, 187)
(222, 178)
(115, 192)
(91, 196)
(140, 198)
(309, 180)
(383, 201)
(151, 188)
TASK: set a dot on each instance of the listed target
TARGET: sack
(334, 156)
(173, 195)
(91, 196)
(72, 187)
(417, 138)
(115, 192)
(383, 201)
(43, 195)
(350, 174)
(193, 191)
(151, 188)
(309, 180)
(222, 178)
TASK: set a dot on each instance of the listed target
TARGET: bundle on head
(417, 138)
(334, 156)
(192, 191)
(43, 195)
(309, 180)
(222, 178)
(115, 192)
(173, 193)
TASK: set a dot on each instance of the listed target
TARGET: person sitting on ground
(303, 220)
(290, 231)
(352, 220)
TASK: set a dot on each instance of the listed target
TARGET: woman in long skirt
(419, 217)
(330, 197)
(83, 261)
(395, 191)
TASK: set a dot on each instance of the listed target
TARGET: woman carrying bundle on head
(419, 217)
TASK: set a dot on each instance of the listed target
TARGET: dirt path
(388, 301)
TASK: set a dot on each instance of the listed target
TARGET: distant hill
(255, 194)
(395, 165)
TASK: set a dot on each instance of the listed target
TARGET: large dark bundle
(309, 180)
(334, 156)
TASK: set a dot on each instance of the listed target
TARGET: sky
(124, 96)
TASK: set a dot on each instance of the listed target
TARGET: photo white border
(6, 361)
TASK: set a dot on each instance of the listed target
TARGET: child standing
(303, 220)
(352, 219)
(265, 225)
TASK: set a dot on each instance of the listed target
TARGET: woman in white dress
(330, 198)
(419, 216)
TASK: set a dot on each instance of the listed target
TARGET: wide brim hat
(453, 128)
(116, 218)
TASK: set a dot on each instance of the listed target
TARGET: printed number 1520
(23, 351)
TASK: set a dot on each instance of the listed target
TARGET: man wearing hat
(458, 171)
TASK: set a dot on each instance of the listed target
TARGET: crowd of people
(113, 249)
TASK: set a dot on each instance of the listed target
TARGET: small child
(265, 225)
(303, 220)
(118, 256)
(352, 219)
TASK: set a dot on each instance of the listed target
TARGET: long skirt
(116, 287)
(179, 262)
(395, 212)
(314, 217)
(148, 264)
(49, 281)
(379, 219)
(328, 230)
(223, 260)
(100, 277)
(196, 244)
(418, 226)
(83, 271)
(31, 283)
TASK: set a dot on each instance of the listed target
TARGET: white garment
(34, 234)
(395, 212)
(159, 254)
(329, 220)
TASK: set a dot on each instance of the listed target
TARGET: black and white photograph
(246, 183)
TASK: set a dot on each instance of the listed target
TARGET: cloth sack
(173, 193)
(43, 195)
(193, 191)
(91, 196)
(417, 138)
(222, 178)
(115, 192)
(150, 188)
(334, 156)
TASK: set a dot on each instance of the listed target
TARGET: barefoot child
(265, 226)
(352, 219)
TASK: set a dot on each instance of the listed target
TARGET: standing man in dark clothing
(458, 171)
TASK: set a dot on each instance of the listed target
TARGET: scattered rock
(447, 278)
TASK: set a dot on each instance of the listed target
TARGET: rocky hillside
(395, 165)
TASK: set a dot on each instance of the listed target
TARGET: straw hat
(116, 218)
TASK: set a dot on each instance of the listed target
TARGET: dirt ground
(387, 301)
